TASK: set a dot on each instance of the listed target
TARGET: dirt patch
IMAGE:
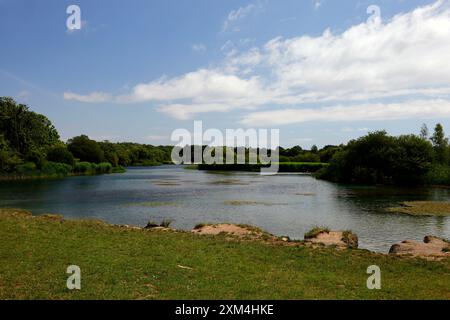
(231, 229)
(432, 248)
(340, 239)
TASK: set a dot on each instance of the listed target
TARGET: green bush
(83, 168)
(439, 175)
(92, 168)
(60, 154)
(55, 169)
(27, 168)
(381, 159)
(104, 167)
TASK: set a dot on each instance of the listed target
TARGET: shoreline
(125, 262)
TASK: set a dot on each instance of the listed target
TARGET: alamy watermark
(374, 280)
(236, 146)
(74, 280)
(73, 22)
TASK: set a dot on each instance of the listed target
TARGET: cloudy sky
(321, 71)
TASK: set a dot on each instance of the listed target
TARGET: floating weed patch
(151, 204)
(249, 203)
(230, 182)
(423, 208)
(166, 183)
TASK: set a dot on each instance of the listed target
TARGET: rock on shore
(340, 239)
(431, 247)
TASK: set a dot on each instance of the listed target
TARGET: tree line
(379, 158)
(30, 145)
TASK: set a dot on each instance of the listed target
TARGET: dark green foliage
(382, 159)
(28, 133)
(413, 160)
(82, 168)
(440, 145)
(85, 149)
(8, 158)
(61, 154)
(56, 169)
(439, 174)
(27, 168)
(87, 168)
(133, 154)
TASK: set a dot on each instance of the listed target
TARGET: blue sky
(317, 70)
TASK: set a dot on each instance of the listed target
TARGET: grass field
(125, 263)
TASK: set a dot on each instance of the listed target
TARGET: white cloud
(422, 109)
(200, 87)
(317, 4)
(405, 58)
(94, 97)
(199, 47)
(235, 15)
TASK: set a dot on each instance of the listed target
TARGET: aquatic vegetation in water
(423, 208)
(231, 182)
(306, 194)
(249, 203)
(165, 183)
(151, 204)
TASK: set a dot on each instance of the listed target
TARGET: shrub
(351, 239)
(316, 231)
(54, 168)
(83, 168)
(26, 168)
(164, 224)
(104, 167)
(439, 175)
(60, 154)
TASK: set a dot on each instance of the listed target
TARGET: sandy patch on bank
(430, 248)
(232, 229)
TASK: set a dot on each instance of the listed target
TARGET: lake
(285, 205)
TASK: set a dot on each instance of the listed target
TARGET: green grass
(123, 263)
(423, 208)
(316, 231)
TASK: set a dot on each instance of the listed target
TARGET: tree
(60, 154)
(85, 149)
(413, 160)
(440, 144)
(8, 158)
(424, 132)
(367, 160)
(28, 133)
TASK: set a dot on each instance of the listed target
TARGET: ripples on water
(284, 205)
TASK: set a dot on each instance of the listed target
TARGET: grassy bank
(124, 263)
(52, 170)
(302, 167)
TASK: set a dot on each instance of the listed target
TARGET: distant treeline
(305, 167)
(30, 146)
(379, 158)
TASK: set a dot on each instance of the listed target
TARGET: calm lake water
(288, 204)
